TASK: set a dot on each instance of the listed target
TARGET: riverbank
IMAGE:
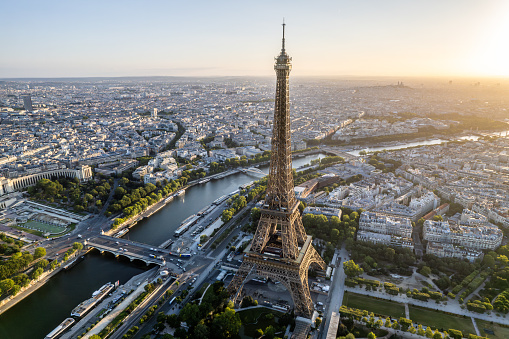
(11, 301)
(136, 283)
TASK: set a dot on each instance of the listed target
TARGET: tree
(425, 270)
(6, 285)
(42, 263)
(437, 335)
(318, 321)
(488, 261)
(352, 269)
(270, 332)
(226, 324)
(429, 332)
(173, 320)
(387, 322)
(405, 323)
(438, 218)
(334, 235)
(191, 314)
(226, 215)
(371, 335)
(201, 331)
(350, 336)
(455, 334)
(77, 246)
(15, 289)
(95, 336)
(39, 252)
(420, 330)
(37, 273)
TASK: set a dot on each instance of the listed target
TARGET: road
(201, 273)
(335, 299)
(132, 318)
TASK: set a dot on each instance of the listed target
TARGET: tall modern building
(281, 250)
(27, 103)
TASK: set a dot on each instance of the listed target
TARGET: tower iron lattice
(280, 250)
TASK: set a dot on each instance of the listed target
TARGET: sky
(241, 38)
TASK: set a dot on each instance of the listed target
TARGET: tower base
(293, 274)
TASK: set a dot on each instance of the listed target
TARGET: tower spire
(283, 48)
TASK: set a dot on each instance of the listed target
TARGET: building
(27, 103)
(385, 224)
(9, 185)
(478, 237)
(385, 239)
(327, 211)
(154, 113)
(385, 229)
(141, 171)
(451, 251)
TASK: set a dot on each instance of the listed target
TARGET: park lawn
(500, 331)
(440, 320)
(44, 227)
(377, 306)
(254, 319)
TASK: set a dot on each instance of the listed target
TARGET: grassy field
(254, 319)
(376, 306)
(441, 320)
(499, 331)
(43, 227)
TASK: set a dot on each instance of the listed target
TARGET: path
(407, 311)
(475, 326)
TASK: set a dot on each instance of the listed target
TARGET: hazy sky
(214, 37)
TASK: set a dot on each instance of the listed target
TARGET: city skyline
(394, 38)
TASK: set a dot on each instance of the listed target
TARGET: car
(125, 249)
(116, 242)
(121, 249)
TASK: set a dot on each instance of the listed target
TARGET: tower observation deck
(281, 249)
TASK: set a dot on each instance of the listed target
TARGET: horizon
(460, 38)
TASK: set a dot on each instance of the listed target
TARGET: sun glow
(491, 55)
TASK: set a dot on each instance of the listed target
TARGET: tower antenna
(283, 49)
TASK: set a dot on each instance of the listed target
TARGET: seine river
(39, 313)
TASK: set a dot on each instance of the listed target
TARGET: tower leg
(238, 281)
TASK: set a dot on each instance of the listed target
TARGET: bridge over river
(129, 249)
(253, 171)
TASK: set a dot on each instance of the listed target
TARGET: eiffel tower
(281, 250)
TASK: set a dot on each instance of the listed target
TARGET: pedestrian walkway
(407, 311)
(475, 326)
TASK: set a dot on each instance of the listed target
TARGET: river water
(39, 313)
(425, 143)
